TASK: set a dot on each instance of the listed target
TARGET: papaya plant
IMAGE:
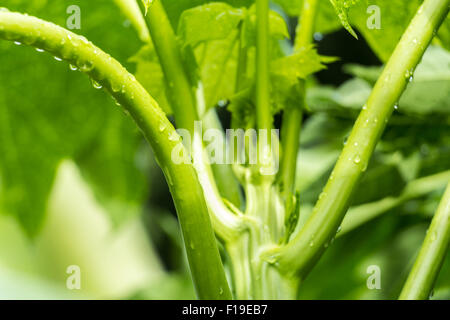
(255, 224)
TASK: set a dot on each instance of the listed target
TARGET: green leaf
(63, 117)
(176, 8)
(147, 5)
(300, 64)
(286, 73)
(392, 26)
(242, 108)
(360, 14)
(149, 73)
(342, 7)
(217, 61)
(429, 89)
(291, 7)
(345, 100)
(209, 22)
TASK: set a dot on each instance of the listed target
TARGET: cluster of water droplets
(409, 75)
(83, 65)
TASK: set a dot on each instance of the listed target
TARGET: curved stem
(301, 253)
(186, 108)
(201, 247)
(431, 256)
(263, 112)
(225, 180)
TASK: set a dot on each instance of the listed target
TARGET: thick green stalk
(224, 177)
(263, 110)
(306, 24)
(293, 115)
(181, 91)
(431, 256)
(203, 255)
(301, 253)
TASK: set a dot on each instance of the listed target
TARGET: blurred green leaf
(175, 9)
(427, 93)
(64, 117)
(149, 73)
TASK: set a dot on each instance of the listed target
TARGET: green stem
(225, 180)
(431, 256)
(293, 115)
(263, 110)
(306, 24)
(181, 91)
(203, 255)
(130, 9)
(301, 253)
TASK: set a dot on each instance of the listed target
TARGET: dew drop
(95, 84)
(115, 86)
(57, 58)
(84, 40)
(345, 141)
(396, 106)
(318, 36)
(116, 102)
(433, 237)
(162, 126)
(73, 67)
(364, 167)
(364, 107)
(131, 77)
(169, 178)
(17, 43)
(86, 66)
(338, 229)
(174, 137)
(220, 291)
(357, 159)
(222, 103)
(39, 50)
